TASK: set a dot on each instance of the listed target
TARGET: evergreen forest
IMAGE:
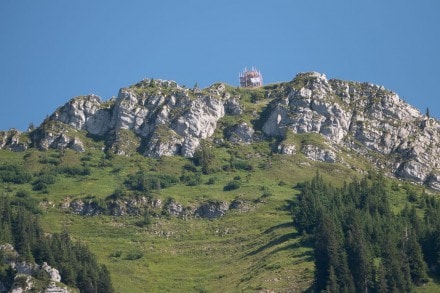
(78, 266)
(360, 244)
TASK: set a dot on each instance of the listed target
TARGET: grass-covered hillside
(152, 249)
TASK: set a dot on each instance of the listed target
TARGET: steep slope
(160, 118)
(361, 117)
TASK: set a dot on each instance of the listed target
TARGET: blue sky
(54, 50)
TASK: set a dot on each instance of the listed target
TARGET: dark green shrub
(50, 160)
(191, 179)
(190, 167)
(143, 181)
(412, 196)
(266, 194)
(116, 170)
(145, 221)
(118, 193)
(28, 203)
(241, 165)
(39, 186)
(47, 178)
(14, 174)
(205, 157)
(75, 170)
(23, 193)
(134, 255)
(43, 180)
(212, 181)
(232, 185)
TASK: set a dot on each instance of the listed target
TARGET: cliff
(160, 118)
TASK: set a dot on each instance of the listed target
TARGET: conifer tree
(359, 257)
(104, 281)
(417, 265)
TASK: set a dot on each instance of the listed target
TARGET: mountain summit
(332, 121)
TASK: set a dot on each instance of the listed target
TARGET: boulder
(53, 273)
(241, 134)
(286, 148)
(316, 153)
(212, 209)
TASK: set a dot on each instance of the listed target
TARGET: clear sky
(54, 50)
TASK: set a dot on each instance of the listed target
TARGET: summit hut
(251, 78)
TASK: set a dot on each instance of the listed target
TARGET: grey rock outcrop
(241, 205)
(130, 205)
(12, 140)
(160, 118)
(286, 148)
(137, 205)
(164, 119)
(53, 272)
(86, 207)
(57, 136)
(316, 153)
(241, 134)
(233, 107)
(84, 113)
(27, 272)
(212, 209)
(174, 208)
(359, 117)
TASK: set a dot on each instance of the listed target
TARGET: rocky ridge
(160, 118)
(138, 205)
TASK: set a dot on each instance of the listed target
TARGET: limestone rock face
(53, 273)
(12, 140)
(57, 136)
(130, 205)
(311, 114)
(317, 154)
(359, 117)
(169, 123)
(174, 208)
(84, 113)
(85, 207)
(286, 149)
(162, 117)
(241, 134)
(29, 272)
(212, 209)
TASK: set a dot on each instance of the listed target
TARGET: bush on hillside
(232, 185)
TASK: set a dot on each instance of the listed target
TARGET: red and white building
(251, 78)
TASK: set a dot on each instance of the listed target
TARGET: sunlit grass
(243, 251)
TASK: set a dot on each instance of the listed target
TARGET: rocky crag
(160, 118)
(139, 205)
(29, 273)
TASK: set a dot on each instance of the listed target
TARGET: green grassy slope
(243, 251)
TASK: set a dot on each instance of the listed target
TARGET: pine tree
(395, 267)
(359, 257)
(204, 157)
(330, 253)
(418, 267)
(380, 282)
(104, 281)
(332, 282)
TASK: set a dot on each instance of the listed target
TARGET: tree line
(78, 266)
(360, 244)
